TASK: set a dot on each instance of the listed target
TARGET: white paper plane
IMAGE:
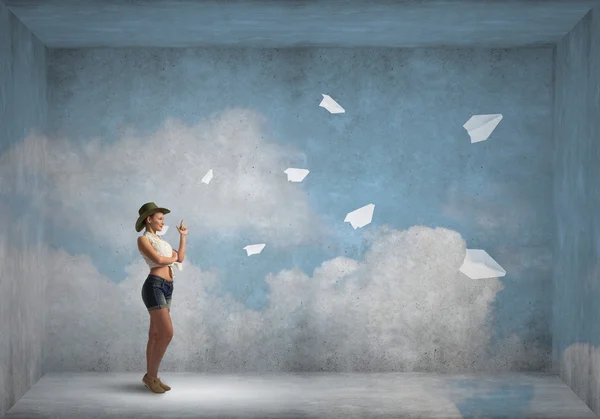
(163, 231)
(480, 127)
(254, 249)
(479, 265)
(331, 105)
(360, 217)
(296, 175)
(207, 177)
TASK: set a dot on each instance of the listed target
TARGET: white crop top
(163, 248)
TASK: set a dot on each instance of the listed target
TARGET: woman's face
(157, 221)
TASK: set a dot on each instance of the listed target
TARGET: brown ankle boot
(163, 385)
(152, 384)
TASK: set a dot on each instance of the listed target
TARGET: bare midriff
(163, 272)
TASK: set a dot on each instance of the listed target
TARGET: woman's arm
(181, 251)
(146, 248)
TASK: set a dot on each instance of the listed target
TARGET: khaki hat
(145, 211)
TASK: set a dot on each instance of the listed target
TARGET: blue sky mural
(330, 293)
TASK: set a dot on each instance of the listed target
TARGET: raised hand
(182, 229)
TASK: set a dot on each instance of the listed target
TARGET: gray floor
(306, 395)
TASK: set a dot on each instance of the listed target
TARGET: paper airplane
(296, 175)
(331, 105)
(360, 217)
(479, 265)
(254, 249)
(207, 177)
(163, 231)
(480, 127)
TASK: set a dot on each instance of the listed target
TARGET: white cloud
(405, 307)
(97, 188)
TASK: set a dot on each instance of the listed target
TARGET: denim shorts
(157, 292)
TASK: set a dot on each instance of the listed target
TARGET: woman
(158, 287)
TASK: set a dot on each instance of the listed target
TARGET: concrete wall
(576, 335)
(130, 126)
(23, 110)
(291, 24)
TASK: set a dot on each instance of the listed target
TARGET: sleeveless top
(163, 248)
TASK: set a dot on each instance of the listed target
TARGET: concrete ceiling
(294, 23)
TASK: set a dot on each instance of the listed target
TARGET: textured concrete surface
(270, 24)
(250, 114)
(494, 195)
(23, 107)
(576, 343)
(319, 395)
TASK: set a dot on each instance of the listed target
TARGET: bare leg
(161, 333)
(158, 349)
(149, 351)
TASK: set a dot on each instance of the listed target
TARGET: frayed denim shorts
(157, 292)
